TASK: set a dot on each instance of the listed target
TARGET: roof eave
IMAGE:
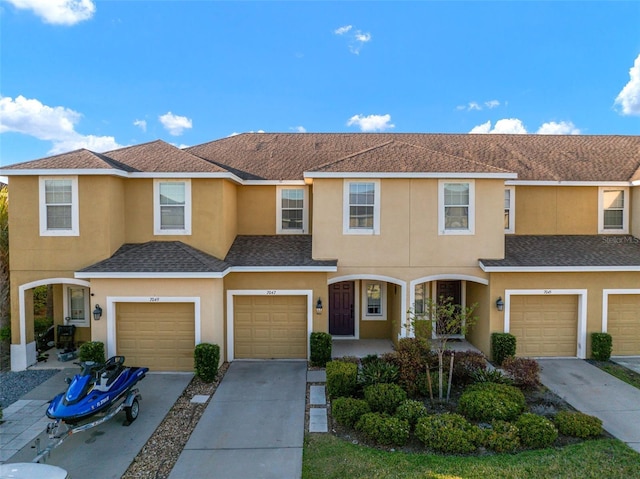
(556, 269)
(371, 174)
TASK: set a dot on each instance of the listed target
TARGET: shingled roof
(597, 252)
(274, 251)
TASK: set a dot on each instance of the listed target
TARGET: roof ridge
(350, 155)
(190, 250)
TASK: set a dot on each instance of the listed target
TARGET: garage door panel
(267, 327)
(544, 325)
(623, 323)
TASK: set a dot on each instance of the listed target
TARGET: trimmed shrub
(578, 424)
(423, 383)
(411, 357)
(5, 333)
(536, 432)
(384, 397)
(320, 349)
(490, 376)
(206, 358)
(448, 433)
(341, 379)
(384, 429)
(348, 411)
(92, 351)
(411, 411)
(601, 345)
(377, 372)
(465, 363)
(524, 372)
(368, 359)
(488, 401)
(503, 345)
(502, 437)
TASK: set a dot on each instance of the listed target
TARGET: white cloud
(56, 124)
(506, 125)
(298, 129)
(491, 104)
(372, 122)
(629, 97)
(175, 124)
(142, 124)
(474, 106)
(484, 128)
(342, 30)
(58, 12)
(561, 128)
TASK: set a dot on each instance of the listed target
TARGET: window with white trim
(456, 214)
(510, 209)
(374, 300)
(613, 210)
(361, 207)
(59, 206)
(172, 207)
(77, 306)
(291, 210)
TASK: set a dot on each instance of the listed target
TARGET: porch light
(97, 313)
(500, 304)
(319, 306)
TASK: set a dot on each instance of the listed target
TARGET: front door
(450, 292)
(341, 317)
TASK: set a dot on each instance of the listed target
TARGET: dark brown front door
(450, 291)
(341, 320)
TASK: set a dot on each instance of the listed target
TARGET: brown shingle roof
(532, 251)
(78, 159)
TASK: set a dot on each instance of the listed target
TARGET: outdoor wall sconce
(97, 313)
(500, 304)
(319, 306)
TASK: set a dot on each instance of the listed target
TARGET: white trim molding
(74, 230)
(346, 208)
(512, 209)
(581, 334)
(157, 217)
(111, 304)
(266, 292)
(605, 303)
(471, 208)
(554, 269)
(625, 210)
(382, 175)
(305, 210)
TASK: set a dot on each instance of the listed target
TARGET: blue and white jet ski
(96, 389)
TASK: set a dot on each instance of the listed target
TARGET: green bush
(320, 348)
(578, 424)
(384, 397)
(92, 351)
(41, 325)
(206, 358)
(524, 372)
(411, 411)
(465, 364)
(412, 356)
(503, 345)
(488, 401)
(383, 429)
(536, 432)
(5, 333)
(341, 379)
(377, 372)
(502, 437)
(423, 383)
(369, 359)
(347, 411)
(601, 345)
(448, 433)
(490, 376)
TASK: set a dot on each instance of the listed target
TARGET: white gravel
(14, 385)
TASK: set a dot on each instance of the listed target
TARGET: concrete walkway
(595, 392)
(253, 426)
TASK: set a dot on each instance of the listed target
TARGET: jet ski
(96, 389)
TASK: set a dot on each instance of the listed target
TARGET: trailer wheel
(132, 411)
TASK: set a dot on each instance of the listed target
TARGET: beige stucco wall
(594, 283)
(479, 334)
(556, 210)
(256, 210)
(210, 292)
(408, 226)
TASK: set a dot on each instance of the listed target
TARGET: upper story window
(292, 217)
(59, 206)
(510, 209)
(613, 210)
(456, 213)
(172, 207)
(361, 207)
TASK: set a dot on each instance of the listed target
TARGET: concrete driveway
(253, 426)
(105, 452)
(595, 392)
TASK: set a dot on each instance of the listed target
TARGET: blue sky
(104, 74)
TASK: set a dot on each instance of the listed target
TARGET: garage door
(545, 325)
(270, 327)
(160, 336)
(623, 323)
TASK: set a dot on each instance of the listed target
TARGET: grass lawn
(622, 373)
(328, 457)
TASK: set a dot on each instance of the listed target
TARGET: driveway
(253, 426)
(106, 451)
(594, 392)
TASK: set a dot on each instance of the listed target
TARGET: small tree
(438, 322)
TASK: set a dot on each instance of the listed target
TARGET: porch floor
(363, 347)
(53, 362)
